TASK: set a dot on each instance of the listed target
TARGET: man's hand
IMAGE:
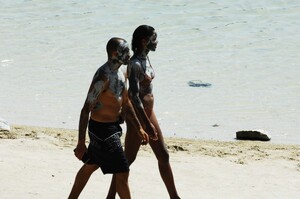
(144, 136)
(80, 150)
(152, 132)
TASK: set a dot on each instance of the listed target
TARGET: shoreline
(238, 150)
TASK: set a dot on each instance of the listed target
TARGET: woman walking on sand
(140, 74)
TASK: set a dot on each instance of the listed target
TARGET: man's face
(123, 53)
(152, 42)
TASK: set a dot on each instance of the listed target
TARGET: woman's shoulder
(135, 63)
(135, 60)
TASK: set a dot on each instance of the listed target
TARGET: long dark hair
(141, 32)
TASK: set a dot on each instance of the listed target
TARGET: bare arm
(131, 115)
(134, 91)
(95, 89)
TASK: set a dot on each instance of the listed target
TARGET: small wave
(6, 62)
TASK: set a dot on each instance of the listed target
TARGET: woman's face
(152, 42)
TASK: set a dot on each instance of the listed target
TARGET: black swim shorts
(105, 148)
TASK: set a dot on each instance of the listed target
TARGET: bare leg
(132, 145)
(81, 179)
(112, 189)
(162, 156)
(122, 186)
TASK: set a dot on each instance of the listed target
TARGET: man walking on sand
(106, 99)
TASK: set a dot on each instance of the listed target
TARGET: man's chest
(117, 83)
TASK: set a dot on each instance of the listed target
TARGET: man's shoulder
(103, 68)
(101, 73)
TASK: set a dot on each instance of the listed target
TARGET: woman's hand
(144, 136)
(152, 132)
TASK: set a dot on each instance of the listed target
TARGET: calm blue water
(248, 51)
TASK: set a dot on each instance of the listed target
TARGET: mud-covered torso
(144, 73)
(108, 105)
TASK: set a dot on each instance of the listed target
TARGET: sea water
(247, 50)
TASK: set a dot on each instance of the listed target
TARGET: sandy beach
(38, 162)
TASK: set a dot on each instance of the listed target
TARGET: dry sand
(38, 162)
